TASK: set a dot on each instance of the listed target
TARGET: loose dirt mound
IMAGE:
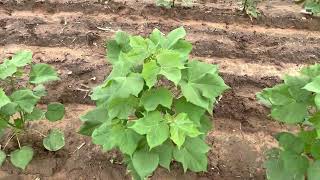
(70, 35)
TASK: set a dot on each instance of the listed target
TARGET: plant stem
(18, 141)
(173, 2)
(4, 147)
(244, 6)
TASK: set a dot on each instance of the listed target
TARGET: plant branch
(18, 141)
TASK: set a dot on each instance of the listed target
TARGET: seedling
(18, 105)
(295, 102)
(172, 3)
(250, 8)
(155, 104)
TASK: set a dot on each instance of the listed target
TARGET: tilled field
(252, 55)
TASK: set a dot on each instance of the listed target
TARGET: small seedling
(295, 102)
(20, 107)
(311, 7)
(155, 104)
(250, 8)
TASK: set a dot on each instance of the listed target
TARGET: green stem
(244, 6)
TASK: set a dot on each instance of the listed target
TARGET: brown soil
(252, 55)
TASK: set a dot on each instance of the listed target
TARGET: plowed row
(252, 55)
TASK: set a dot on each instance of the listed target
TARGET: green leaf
(150, 72)
(119, 44)
(192, 155)
(313, 86)
(145, 162)
(311, 71)
(291, 113)
(205, 124)
(36, 114)
(7, 68)
(317, 100)
(42, 73)
(55, 111)
(165, 152)
(295, 85)
(170, 65)
(103, 136)
(25, 99)
(9, 109)
(154, 126)
(93, 119)
(40, 90)
(123, 87)
(110, 136)
(194, 112)
(122, 108)
(2, 157)
(153, 98)
(181, 127)
(157, 38)
(54, 141)
(308, 137)
(4, 99)
(315, 149)
(22, 58)
(21, 157)
(174, 36)
(201, 88)
(290, 142)
(184, 48)
(314, 171)
(286, 165)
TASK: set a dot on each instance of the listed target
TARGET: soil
(251, 54)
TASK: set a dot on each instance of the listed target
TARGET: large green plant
(20, 106)
(296, 102)
(155, 104)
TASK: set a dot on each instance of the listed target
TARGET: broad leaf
(313, 86)
(157, 38)
(145, 162)
(165, 152)
(170, 65)
(154, 97)
(40, 90)
(150, 72)
(42, 73)
(36, 114)
(122, 108)
(290, 142)
(25, 99)
(22, 58)
(174, 36)
(7, 68)
(315, 149)
(4, 99)
(314, 171)
(110, 136)
(317, 100)
(55, 111)
(2, 157)
(290, 113)
(93, 119)
(181, 127)
(123, 87)
(194, 112)
(21, 157)
(154, 126)
(54, 141)
(192, 155)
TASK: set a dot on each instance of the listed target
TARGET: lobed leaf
(42, 73)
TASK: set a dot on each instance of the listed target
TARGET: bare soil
(252, 55)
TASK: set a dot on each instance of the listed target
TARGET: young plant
(295, 102)
(310, 6)
(155, 104)
(19, 107)
(250, 8)
(171, 3)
